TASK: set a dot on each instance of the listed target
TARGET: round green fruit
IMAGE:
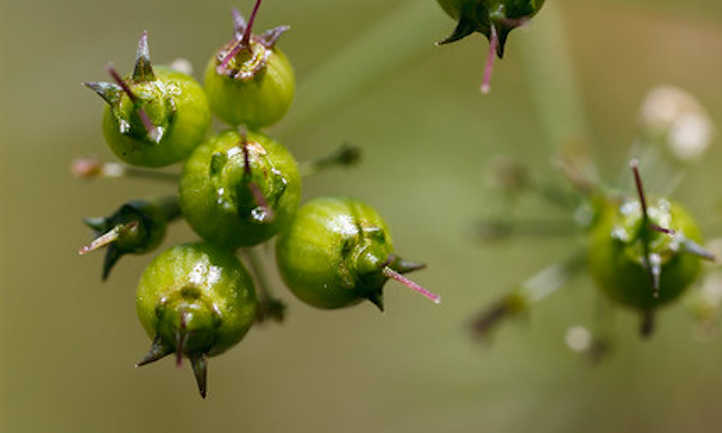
(155, 117)
(338, 252)
(196, 300)
(249, 81)
(620, 263)
(239, 191)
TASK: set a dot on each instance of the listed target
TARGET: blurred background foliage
(368, 73)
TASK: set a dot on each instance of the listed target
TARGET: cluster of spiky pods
(238, 189)
(643, 253)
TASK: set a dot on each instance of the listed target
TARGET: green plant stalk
(552, 79)
(365, 60)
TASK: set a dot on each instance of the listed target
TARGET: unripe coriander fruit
(196, 300)
(338, 252)
(617, 254)
(249, 81)
(154, 118)
(137, 227)
(495, 19)
(239, 191)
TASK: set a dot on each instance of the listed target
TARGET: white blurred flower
(679, 119)
(578, 338)
(182, 65)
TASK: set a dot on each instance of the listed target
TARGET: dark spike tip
(646, 327)
(200, 371)
(404, 266)
(112, 255)
(97, 224)
(157, 351)
(143, 70)
(110, 92)
(463, 29)
(378, 300)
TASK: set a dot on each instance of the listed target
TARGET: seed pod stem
(92, 168)
(269, 306)
(533, 290)
(246, 40)
(390, 273)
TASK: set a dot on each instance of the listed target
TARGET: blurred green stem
(552, 79)
(366, 60)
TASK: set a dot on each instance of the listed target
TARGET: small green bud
(338, 252)
(239, 191)
(249, 81)
(196, 300)
(137, 227)
(154, 118)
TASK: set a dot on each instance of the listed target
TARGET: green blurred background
(369, 73)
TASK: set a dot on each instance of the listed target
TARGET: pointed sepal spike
(112, 255)
(462, 30)
(143, 70)
(646, 327)
(404, 266)
(239, 23)
(269, 38)
(378, 300)
(200, 371)
(157, 351)
(691, 247)
(97, 224)
(110, 92)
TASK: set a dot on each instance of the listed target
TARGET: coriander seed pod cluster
(239, 188)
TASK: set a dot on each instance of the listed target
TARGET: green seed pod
(196, 300)
(154, 118)
(137, 227)
(645, 256)
(495, 19)
(239, 191)
(249, 81)
(618, 260)
(338, 252)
